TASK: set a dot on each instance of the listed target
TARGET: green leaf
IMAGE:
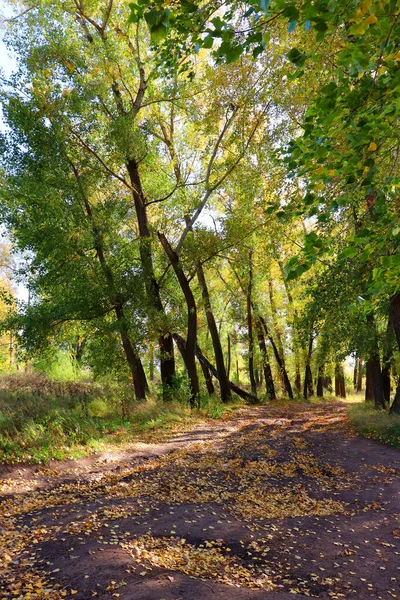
(233, 54)
(208, 41)
(158, 33)
(296, 57)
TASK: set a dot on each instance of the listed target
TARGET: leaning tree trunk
(269, 382)
(226, 395)
(288, 387)
(135, 365)
(207, 378)
(189, 355)
(395, 318)
(165, 341)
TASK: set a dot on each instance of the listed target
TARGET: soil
(267, 503)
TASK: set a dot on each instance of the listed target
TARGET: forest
(199, 203)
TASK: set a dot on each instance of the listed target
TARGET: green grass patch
(374, 424)
(41, 420)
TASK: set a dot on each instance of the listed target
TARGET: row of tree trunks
(235, 388)
(278, 358)
(269, 382)
(215, 337)
(340, 386)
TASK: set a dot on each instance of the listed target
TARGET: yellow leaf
(364, 6)
(371, 20)
(74, 592)
(372, 147)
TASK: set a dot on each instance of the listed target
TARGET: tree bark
(320, 382)
(236, 389)
(165, 341)
(250, 327)
(359, 375)
(191, 341)
(207, 378)
(308, 389)
(226, 395)
(369, 392)
(355, 373)
(386, 379)
(269, 382)
(228, 362)
(340, 386)
(395, 318)
(135, 365)
(288, 387)
(375, 366)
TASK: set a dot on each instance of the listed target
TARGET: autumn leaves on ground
(267, 502)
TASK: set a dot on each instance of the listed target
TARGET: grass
(375, 425)
(42, 420)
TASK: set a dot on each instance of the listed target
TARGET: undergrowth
(375, 425)
(42, 420)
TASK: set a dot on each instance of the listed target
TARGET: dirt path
(269, 503)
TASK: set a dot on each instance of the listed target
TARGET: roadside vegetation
(43, 419)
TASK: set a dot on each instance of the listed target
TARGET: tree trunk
(328, 384)
(374, 382)
(374, 366)
(165, 341)
(386, 379)
(355, 373)
(226, 395)
(237, 390)
(340, 387)
(133, 360)
(359, 375)
(395, 408)
(395, 318)
(250, 327)
(151, 362)
(369, 392)
(308, 389)
(189, 354)
(228, 363)
(135, 364)
(269, 382)
(207, 378)
(320, 382)
(288, 387)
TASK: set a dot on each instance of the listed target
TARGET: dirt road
(268, 503)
